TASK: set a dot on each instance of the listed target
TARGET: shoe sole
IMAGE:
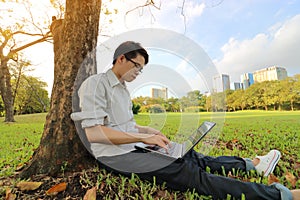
(273, 163)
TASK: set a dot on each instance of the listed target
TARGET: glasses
(136, 65)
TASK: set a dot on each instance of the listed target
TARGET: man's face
(132, 68)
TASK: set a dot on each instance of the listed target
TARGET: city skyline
(221, 83)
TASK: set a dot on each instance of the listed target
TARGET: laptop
(177, 150)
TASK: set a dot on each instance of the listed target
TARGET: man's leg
(218, 164)
(184, 174)
(262, 164)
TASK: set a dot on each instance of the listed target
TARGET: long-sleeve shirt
(104, 100)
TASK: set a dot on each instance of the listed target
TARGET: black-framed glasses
(136, 65)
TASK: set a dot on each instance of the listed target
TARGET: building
(247, 80)
(159, 93)
(221, 83)
(236, 86)
(270, 74)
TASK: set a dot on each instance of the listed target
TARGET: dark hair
(130, 49)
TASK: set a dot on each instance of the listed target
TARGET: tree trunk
(75, 39)
(292, 105)
(6, 91)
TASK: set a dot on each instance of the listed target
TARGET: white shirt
(104, 100)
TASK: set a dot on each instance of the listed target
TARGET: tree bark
(6, 91)
(75, 40)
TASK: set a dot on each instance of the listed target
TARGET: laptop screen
(203, 129)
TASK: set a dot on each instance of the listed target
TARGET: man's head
(129, 59)
(130, 49)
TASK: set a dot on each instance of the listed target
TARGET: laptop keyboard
(174, 149)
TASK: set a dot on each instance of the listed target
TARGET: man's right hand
(156, 139)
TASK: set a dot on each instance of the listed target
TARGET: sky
(238, 36)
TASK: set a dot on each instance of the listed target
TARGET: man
(107, 118)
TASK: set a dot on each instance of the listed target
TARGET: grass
(244, 133)
(18, 141)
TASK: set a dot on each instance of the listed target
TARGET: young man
(107, 118)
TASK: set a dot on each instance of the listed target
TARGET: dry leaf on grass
(291, 178)
(56, 189)
(90, 194)
(24, 185)
(297, 165)
(9, 195)
(272, 179)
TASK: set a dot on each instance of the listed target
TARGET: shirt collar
(112, 79)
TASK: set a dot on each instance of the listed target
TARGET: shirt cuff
(91, 122)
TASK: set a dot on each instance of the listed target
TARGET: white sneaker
(268, 162)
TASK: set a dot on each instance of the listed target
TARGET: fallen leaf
(234, 140)
(90, 194)
(9, 195)
(56, 189)
(297, 165)
(102, 187)
(20, 166)
(291, 178)
(24, 185)
(161, 193)
(272, 179)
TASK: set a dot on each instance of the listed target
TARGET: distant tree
(230, 103)
(31, 96)
(219, 101)
(270, 95)
(184, 102)
(1, 108)
(230, 100)
(208, 104)
(17, 70)
(194, 98)
(293, 90)
(156, 108)
(141, 100)
(276, 92)
(172, 105)
(254, 94)
(10, 46)
(135, 108)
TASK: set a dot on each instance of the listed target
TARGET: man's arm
(103, 134)
(148, 130)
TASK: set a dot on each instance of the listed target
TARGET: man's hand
(151, 130)
(157, 139)
(154, 137)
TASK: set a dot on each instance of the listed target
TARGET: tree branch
(6, 39)
(184, 17)
(148, 3)
(31, 43)
(25, 33)
(28, 8)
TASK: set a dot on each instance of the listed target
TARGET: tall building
(221, 83)
(236, 86)
(159, 93)
(270, 74)
(247, 80)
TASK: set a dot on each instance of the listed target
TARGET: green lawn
(244, 133)
(18, 140)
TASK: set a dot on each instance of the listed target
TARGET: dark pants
(190, 173)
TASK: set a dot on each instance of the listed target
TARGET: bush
(135, 108)
(156, 109)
